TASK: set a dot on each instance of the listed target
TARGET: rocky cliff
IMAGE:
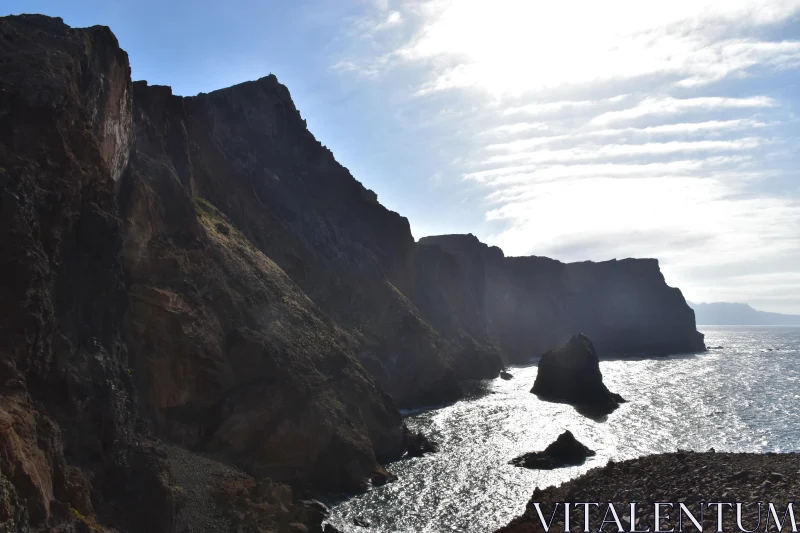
(201, 271)
(70, 442)
(138, 300)
(246, 153)
(529, 305)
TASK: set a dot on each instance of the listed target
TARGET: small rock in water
(565, 451)
(505, 375)
(316, 505)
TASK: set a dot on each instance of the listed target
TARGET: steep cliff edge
(71, 448)
(133, 308)
(232, 357)
(529, 305)
(247, 151)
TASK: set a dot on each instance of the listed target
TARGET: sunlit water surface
(744, 397)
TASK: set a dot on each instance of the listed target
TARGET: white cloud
(636, 217)
(673, 106)
(710, 126)
(393, 19)
(608, 170)
(544, 108)
(518, 127)
(589, 152)
(592, 130)
(518, 45)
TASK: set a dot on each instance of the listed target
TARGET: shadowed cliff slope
(129, 302)
(71, 447)
(247, 151)
(232, 356)
(529, 305)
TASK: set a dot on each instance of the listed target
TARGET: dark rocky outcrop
(564, 451)
(571, 374)
(525, 306)
(417, 444)
(360, 521)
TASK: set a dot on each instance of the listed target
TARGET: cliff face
(196, 269)
(529, 305)
(232, 356)
(69, 441)
(132, 307)
(247, 152)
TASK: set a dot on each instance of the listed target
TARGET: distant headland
(738, 314)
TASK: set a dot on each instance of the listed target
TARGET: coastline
(675, 402)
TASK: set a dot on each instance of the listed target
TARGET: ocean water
(744, 397)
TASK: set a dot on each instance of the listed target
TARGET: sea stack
(571, 374)
(564, 451)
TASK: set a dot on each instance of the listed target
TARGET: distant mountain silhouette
(734, 314)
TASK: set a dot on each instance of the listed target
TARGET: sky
(579, 130)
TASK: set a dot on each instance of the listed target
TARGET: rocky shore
(688, 478)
